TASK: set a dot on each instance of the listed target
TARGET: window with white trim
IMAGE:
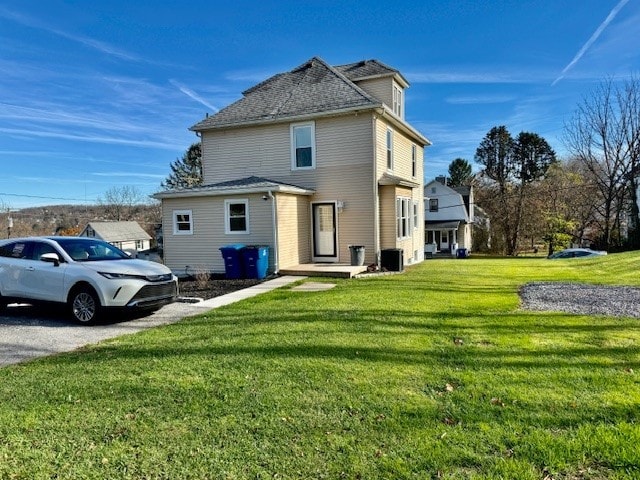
(403, 217)
(236, 216)
(414, 161)
(415, 216)
(433, 204)
(303, 149)
(389, 149)
(397, 101)
(182, 222)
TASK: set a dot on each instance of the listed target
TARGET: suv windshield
(88, 250)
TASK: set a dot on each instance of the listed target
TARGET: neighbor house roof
(235, 187)
(116, 231)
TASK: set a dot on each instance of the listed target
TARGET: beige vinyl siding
(388, 217)
(402, 164)
(388, 222)
(294, 230)
(379, 88)
(265, 151)
(344, 171)
(201, 249)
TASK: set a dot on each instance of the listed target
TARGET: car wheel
(84, 305)
(3, 303)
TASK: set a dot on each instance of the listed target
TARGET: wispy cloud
(88, 42)
(594, 37)
(150, 176)
(89, 138)
(479, 99)
(478, 77)
(193, 95)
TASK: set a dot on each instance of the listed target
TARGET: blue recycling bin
(256, 261)
(233, 264)
(462, 253)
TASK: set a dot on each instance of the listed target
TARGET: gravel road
(582, 299)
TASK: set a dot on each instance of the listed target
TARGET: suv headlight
(122, 276)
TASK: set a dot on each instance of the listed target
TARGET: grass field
(435, 373)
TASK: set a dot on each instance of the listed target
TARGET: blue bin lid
(235, 246)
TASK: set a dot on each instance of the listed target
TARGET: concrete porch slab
(336, 270)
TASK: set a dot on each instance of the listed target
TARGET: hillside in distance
(71, 219)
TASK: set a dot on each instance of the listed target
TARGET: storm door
(325, 238)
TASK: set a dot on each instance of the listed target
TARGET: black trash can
(233, 265)
(357, 255)
(392, 259)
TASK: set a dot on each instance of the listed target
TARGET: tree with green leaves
(511, 166)
(186, 172)
(459, 173)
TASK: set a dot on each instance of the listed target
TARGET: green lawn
(435, 373)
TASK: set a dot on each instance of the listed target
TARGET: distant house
(124, 235)
(308, 162)
(449, 215)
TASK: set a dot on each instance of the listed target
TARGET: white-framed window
(303, 146)
(236, 216)
(433, 204)
(414, 161)
(182, 222)
(416, 223)
(397, 101)
(389, 149)
(403, 217)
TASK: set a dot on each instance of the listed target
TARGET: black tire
(3, 303)
(84, 305)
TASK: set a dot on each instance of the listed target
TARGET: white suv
(86, 274)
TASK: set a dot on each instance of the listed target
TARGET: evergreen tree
(459, 173)
(186, 172)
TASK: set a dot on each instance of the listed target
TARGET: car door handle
(31, 269)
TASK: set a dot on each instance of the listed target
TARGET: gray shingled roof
(241, 185)
(310, 89)
(368, 69)
(119, 231)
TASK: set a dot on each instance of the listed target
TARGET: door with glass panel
(325, 238)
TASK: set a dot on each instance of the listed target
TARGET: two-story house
(307, 162)
(449, 216)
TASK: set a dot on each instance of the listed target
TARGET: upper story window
(433, 204)
(389, 149)
(414, 161)
(236, 217)
(182, 222)
(303, 149)
(398, 102)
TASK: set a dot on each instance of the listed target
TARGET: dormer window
(398, 102)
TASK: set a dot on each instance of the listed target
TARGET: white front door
(325, 238)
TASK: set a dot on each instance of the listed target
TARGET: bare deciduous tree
(604, 135)
(121, 203)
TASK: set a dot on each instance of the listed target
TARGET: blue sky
(96, 95)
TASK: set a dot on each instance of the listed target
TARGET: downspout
(376, 193)
(274, 216)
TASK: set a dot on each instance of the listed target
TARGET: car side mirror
(51, 258)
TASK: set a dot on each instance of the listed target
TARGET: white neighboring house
(128, 236)
(448, 217)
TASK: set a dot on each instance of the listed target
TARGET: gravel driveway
(582, 299)
(28, 332)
